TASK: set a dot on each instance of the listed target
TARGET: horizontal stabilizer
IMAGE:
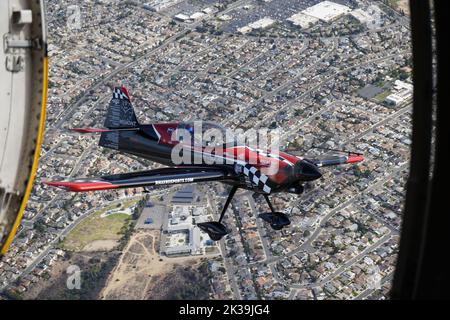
(89, 130)
(337, 160)
(99, 130)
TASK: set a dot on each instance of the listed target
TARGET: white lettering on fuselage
(171, 181)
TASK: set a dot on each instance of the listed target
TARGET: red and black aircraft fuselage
(241, 166)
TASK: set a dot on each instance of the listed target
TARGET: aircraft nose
(308, 171)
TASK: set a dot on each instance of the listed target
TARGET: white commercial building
(361, 15)
(262, 23)
(302, 20)
(402, 85)
(225, 17)
(197, 16)
(257, 25)
(158, 5)
(327, 11)
(182, 17)
(244, 30)
(402, 91)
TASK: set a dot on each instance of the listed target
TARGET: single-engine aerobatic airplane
(154, 142)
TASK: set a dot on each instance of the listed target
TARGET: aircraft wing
(162, 176)
(337, 160)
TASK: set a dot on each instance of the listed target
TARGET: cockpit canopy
(205, 133)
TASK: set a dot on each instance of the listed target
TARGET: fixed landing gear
(277, 220)
(215, 229)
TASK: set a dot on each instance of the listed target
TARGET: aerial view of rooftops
(204, 149)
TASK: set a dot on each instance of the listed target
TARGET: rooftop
(326, 10)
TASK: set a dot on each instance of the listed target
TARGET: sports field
(94, 227)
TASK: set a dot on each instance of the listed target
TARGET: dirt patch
(100, 245)
(139, 248)
(140, 269)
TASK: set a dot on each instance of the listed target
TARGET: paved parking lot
(156, 213)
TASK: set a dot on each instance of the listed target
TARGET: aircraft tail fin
(120, 112)
(120, 117)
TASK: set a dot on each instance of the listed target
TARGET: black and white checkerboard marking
(118, 94)
(257, 178)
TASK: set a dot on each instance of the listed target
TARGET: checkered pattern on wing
(119, 94)
(257, 178)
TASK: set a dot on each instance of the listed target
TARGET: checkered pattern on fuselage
(257, 178)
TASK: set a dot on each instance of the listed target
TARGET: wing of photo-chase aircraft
(162, 176)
